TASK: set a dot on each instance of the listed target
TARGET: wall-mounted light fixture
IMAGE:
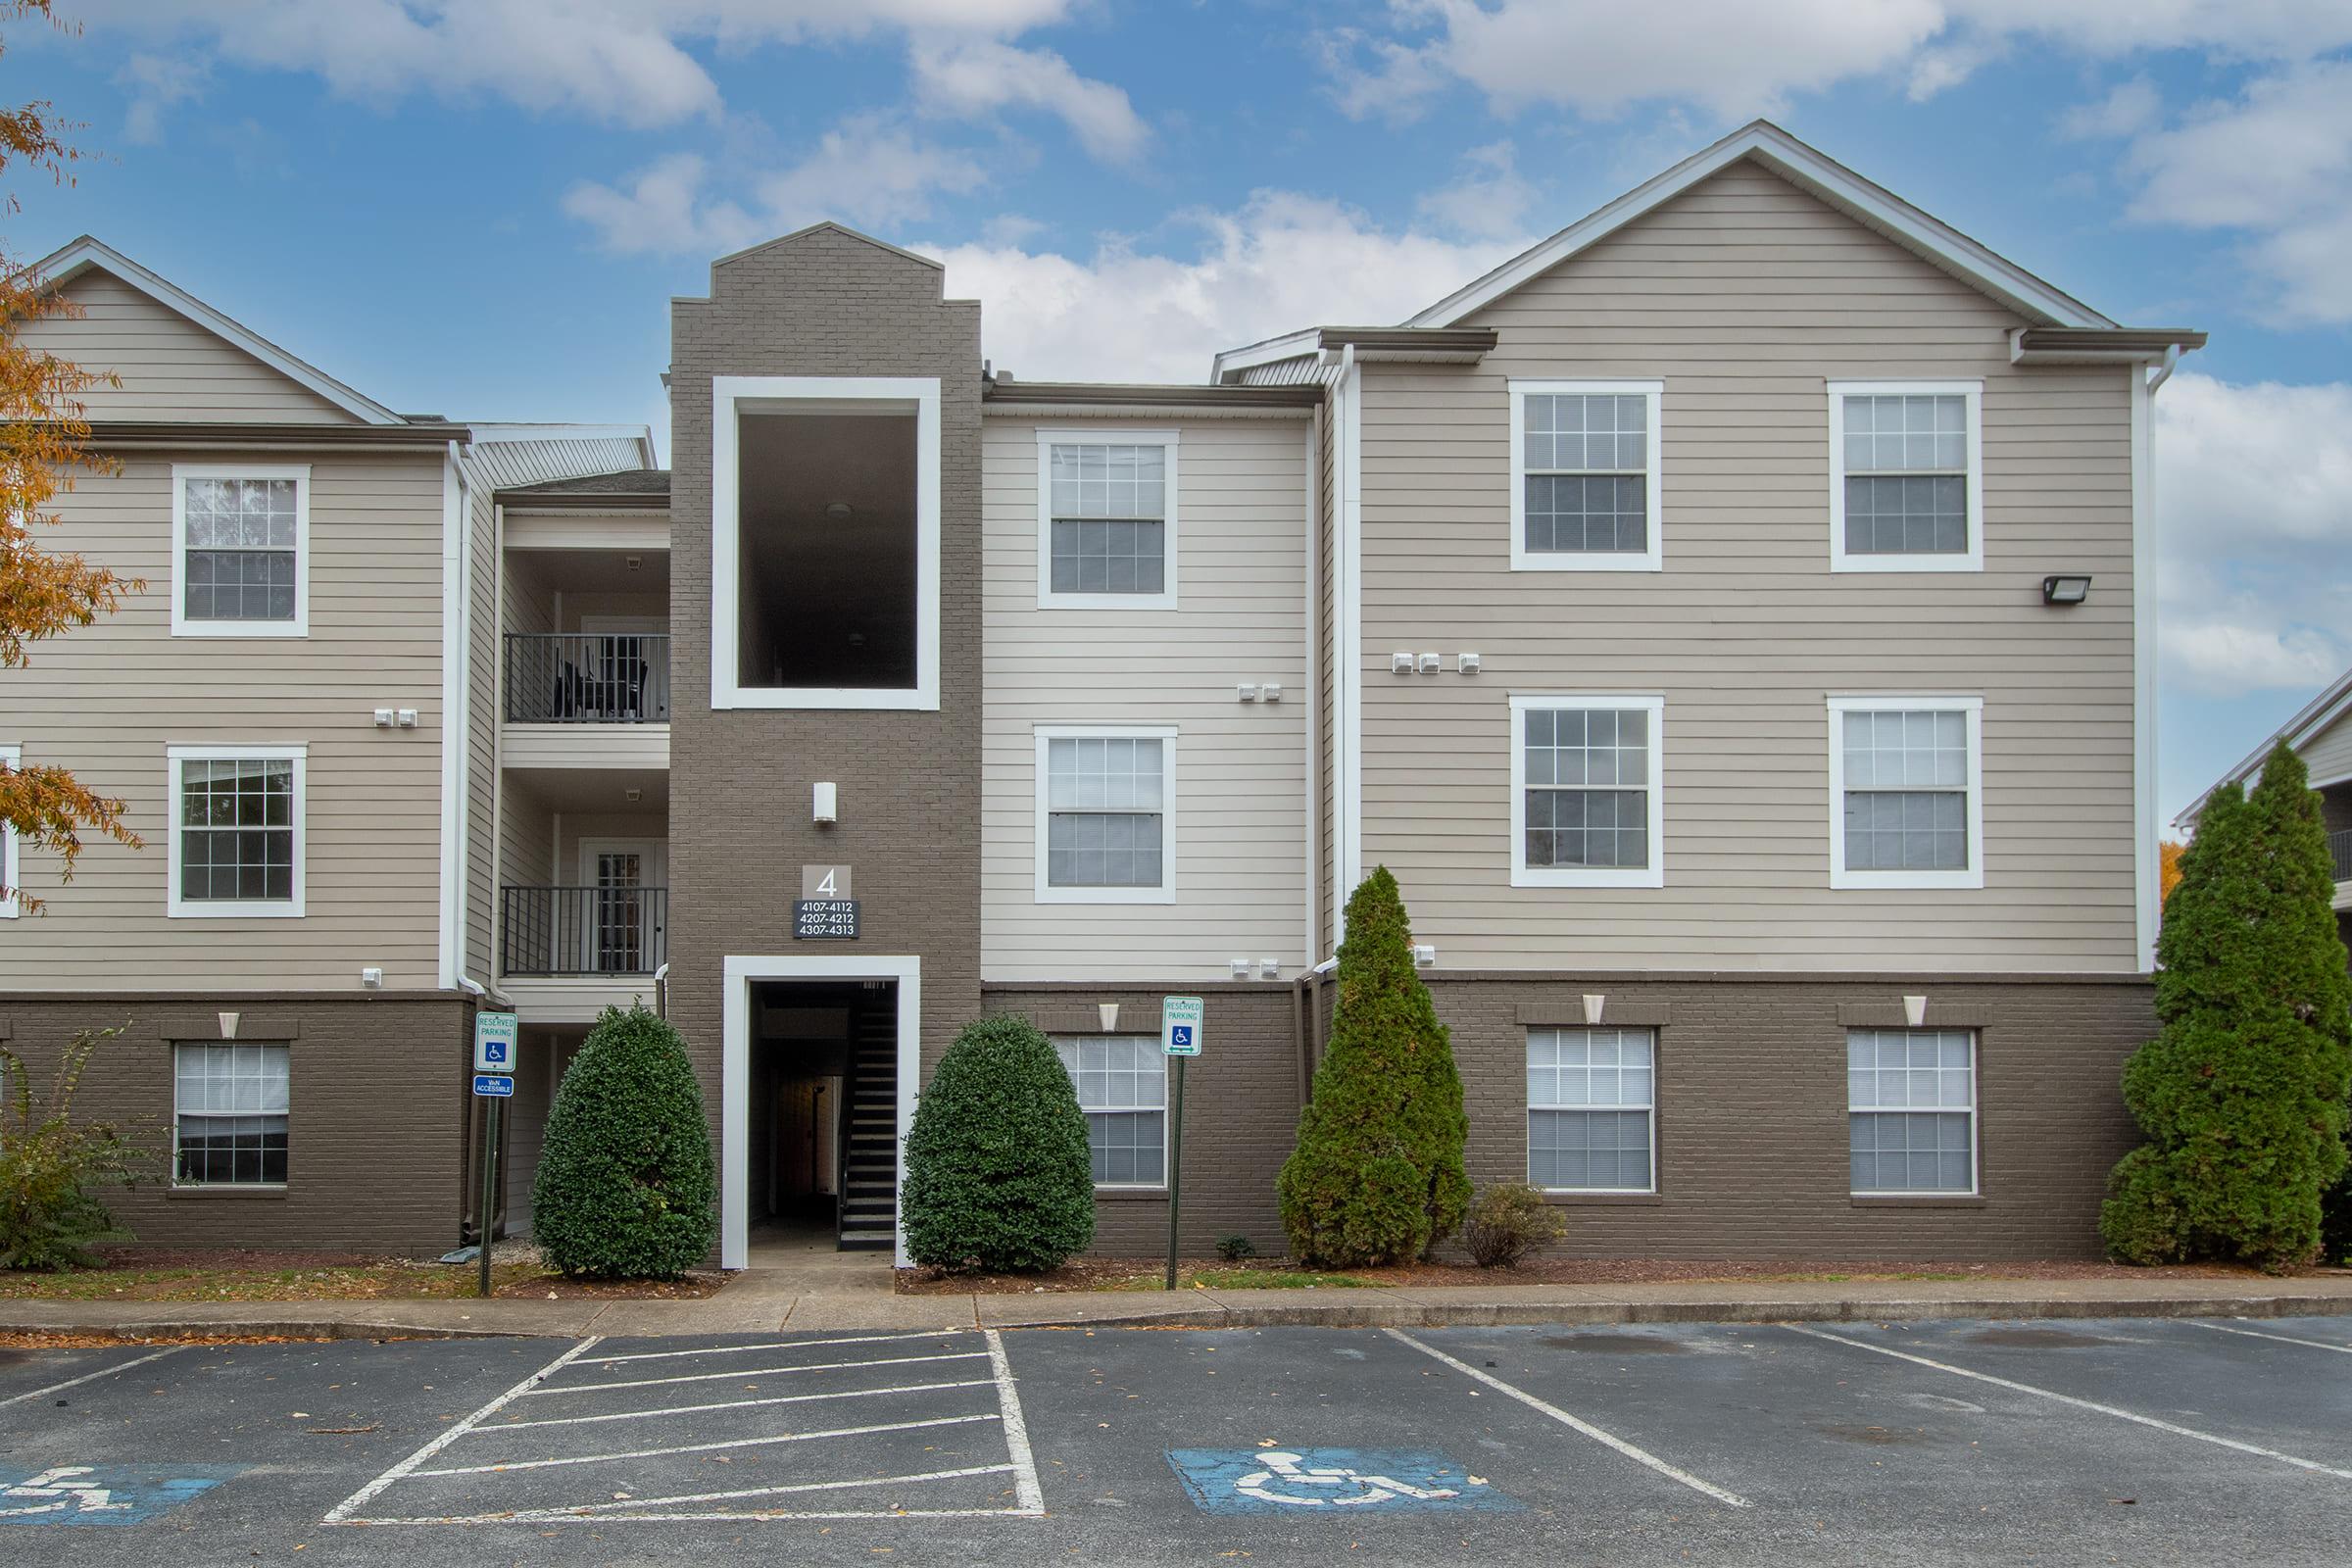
(822, 806)
(2066, 588)
(838, 510)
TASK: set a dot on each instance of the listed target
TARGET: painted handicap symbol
(104, 1494)
(1288, 1479)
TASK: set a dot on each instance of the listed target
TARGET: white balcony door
(623, 920)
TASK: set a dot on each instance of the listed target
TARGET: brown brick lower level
(1752, 1151)
(378, 1098)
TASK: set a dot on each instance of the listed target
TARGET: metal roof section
(619, 487)
(2298, 732)
(1000, 394)
(63, 266)
(1429, 345)
(2047, 309)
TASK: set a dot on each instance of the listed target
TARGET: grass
(349, 1282)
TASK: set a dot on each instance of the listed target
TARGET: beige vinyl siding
(1745, 295)
(2329, 754)
(1327, 681)
(172, 369)
(1239, 802)
(106, 700)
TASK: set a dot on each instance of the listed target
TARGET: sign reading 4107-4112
(826, 910)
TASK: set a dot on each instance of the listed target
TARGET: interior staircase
(870, 1187)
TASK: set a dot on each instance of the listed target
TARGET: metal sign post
(1180, 1039)
(495, 1035)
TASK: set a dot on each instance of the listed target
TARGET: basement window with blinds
(1122, 1086)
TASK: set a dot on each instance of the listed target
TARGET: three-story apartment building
(1726, 620)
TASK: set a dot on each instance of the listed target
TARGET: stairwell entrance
(818, 1090)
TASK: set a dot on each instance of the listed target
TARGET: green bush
(2242, 1095)
(50, 1164)
(998, 1174)
(1509, 1220)
(1377, 1176)
(1235, 1247)
(626, 1188)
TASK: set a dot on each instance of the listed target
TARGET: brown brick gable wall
(824, 302)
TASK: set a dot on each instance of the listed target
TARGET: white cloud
(156, 84)
(974, 78)
(1735, 58)
(1279, 262)
(1489, 199)
(2130, 108)
(623, 60)
(2254, 532)
(868, 171)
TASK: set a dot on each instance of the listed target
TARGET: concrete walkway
(824, 1291)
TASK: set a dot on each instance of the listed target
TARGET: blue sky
(480, 209)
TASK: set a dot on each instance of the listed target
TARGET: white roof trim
(2298, 732)
(85, 253)
(1289, 346)
(1879, 208)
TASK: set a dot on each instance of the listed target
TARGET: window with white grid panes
(1911, 1109)
(1591, 1100)
(1907, 477)
(1106, 805)
(239, 550)
(230, 1108)
(1905, 788)
(1122, 1088)
(1587, 808)
(1108, 521)
(1586, 475)
(237, 841)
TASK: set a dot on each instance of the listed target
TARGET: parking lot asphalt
(2091, 1440)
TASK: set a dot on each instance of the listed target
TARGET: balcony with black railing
(587, 677)
(2339, 850)
(582, 930)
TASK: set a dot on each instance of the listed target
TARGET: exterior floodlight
(2065, 588)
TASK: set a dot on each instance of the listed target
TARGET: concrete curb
(1208, 1313)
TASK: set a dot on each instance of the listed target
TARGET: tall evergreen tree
(1377, 1176)
(2242, 1095)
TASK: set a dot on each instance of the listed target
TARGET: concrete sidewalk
(781, 1299)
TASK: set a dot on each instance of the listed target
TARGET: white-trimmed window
(1107, 814)
(228, 1123)
(1906, 476)
(1585, 807)
(1106, 519)
(1592, 1110)
(11, 864)
(1906, 792)
(240, 549)
(1585, 475)
(236, 830)
(1122, 1086)
(1911, 1110)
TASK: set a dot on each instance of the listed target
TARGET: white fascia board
(85, 253)
(1815, 172)
(2298, 732)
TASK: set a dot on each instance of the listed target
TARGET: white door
(627, 903)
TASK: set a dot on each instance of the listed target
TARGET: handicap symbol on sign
(1288, 1479)
(1179, 1034)
(104, 1494)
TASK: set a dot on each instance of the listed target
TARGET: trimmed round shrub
(998, 1174)
(1377, 1176)
(626, 1186)
(1509, 1220)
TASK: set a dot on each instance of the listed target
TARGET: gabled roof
(820, 227)
(2040, 302)
(81, 254)
(2298, 732)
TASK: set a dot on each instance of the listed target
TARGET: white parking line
(2258, 1333)
(776, 1491)
(739, 1404)
(90, 1376)
(2119, 1414)
(760, 1372)
(778, 1344)
(342, 1511)
(1610, 1439)
(701, 1448)
(1026, 1492)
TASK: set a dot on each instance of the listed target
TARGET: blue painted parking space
(103, 1493)
(1289, 1481)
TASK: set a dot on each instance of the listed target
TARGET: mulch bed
(252, 1274)
(1102, 1274)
